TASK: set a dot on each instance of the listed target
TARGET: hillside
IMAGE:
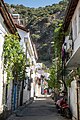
(41, 22)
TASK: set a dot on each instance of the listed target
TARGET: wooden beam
(69, 13)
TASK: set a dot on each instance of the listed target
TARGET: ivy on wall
(57, 60)
(14, 58)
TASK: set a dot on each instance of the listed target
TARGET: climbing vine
(56, 69)
(14, 58)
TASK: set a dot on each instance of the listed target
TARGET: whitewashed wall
(23, 34)
(77, 17)
(3, 31)
(72, 93)
(9, 95)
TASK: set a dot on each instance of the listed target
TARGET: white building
(41, 76)
(6, 26)
(72, 54)
(31, 57)
(18, 20)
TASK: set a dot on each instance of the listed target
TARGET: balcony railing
(68, 50)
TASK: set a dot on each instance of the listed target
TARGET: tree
(53, 82)
(40, 22)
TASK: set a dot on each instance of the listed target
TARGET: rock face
(41, 22)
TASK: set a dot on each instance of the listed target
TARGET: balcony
(74, 58)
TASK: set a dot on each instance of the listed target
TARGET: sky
(32, 3)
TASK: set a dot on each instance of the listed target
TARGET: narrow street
(40, 109)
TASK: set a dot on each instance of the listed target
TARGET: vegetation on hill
(42, 22)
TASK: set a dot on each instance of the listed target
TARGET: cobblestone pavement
(40, 109)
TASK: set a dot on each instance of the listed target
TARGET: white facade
(3, 31)
(24, 35)
(31, 60)
(18, 20)
(73, 62)
(41, 84)
(9, 95)
(72, 93)
(75, 25)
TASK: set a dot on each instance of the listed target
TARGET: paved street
(40, 109)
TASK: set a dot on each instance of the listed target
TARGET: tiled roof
(7, 18)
